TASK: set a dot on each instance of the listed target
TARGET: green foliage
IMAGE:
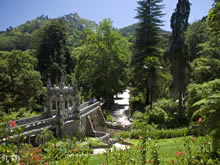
(107, 115)
(137, 115)
(157, 115)
(129, 32)
(137, 100)
(145, 61)
(52, 53)
(103, 55)
(208, 108)
(19, 114)
(65, 151)
(211, 48)
(196, 34)
(214, 18)
(205, 69)
(26, 36)
(122, 134)
(164, 113)
(203, 101)
(94, 142)
(20, 84)
(44, 137)
(199, 92)
(155, 133)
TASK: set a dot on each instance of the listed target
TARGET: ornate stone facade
(63, 102)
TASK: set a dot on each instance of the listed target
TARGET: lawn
(167, 150)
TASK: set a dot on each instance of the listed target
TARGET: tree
(102, 62)
(196, 34)
(178, 49)
(211, 48)
(52, 52)
(145, 59)
(20, 83)
(205, 69)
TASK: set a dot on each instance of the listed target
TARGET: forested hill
(24, 36)
(129, 32)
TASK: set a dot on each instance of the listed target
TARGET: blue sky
(121, 12)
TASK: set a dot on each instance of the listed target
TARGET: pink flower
(45, 163)
(149, 161)
(52, 146)
(139, 137)
(132, 145)
(200, 120)
(193, 138)
(38, 151)
(12, 123)
(178, 153)
(33, 157)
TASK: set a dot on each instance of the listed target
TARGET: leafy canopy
(20, 83)
(102, 62)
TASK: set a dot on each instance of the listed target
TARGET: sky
(121, 12)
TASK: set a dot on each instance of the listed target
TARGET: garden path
(117, 146)
(120, 109)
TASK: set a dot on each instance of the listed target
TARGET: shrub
(169, 133)
(122, 134)
(137, 115)
(94, 142)
(136, 100)
(159, 133)
(164, 113)
(157, 115)
(107, 115)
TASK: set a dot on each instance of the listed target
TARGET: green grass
(96, 160)
(167, 150)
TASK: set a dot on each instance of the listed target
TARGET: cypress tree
(178, 49)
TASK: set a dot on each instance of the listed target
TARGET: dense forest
(173, 77)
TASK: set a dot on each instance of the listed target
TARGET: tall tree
(102, 62)
(52, 52)
(145, 59)
(20, 84)
(178, 49)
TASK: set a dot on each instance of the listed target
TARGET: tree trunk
(180, 115)
(147, 95)
(151, 99)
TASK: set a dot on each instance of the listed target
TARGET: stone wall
(70, 128)
(97, 122)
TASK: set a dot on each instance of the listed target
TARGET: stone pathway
(118, 146)
(120, 114)
(120, 110)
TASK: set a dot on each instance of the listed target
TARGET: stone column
(60, 117)
(47, 107)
